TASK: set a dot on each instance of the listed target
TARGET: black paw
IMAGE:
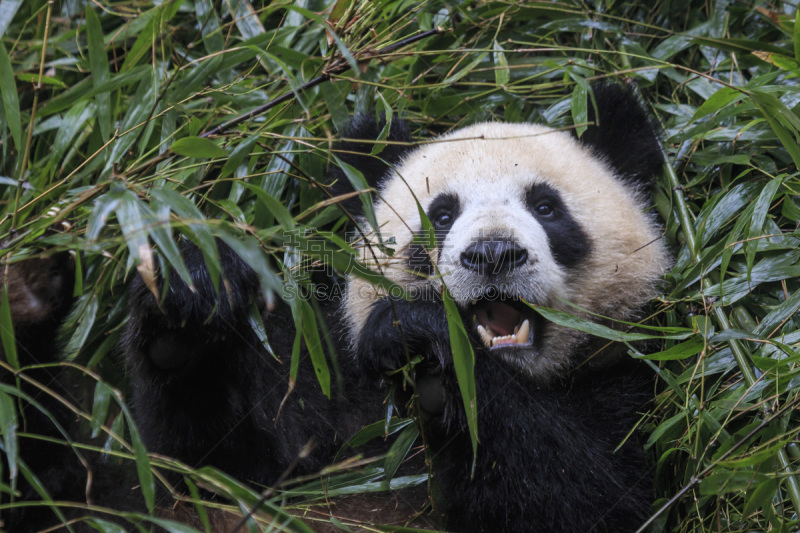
(400, 331)
(190, 321)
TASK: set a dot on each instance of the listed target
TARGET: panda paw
(190, 321)
(398, 331)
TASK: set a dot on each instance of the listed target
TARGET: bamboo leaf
(197, 147)
(399, 451)
(8, 8)
(7, 328)
(501, 73)
(8, 90)
(98, 61)
(8, 429)
(464, 364)
(598, 330)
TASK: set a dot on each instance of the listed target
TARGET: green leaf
(144, 106)
(753, 457)
(209, 25)
(314, 344)
(796, 35)
(761, 496)
(98, 61)
(7, 330)
(32, 78)
(580, 111)
(8, 8)
(339, 9)
(100, 404)
(501, 72)
(197, 147)
(771, 268)
(465, 70)
(718, 100)
(74, 122)
(155, 20)
(399, 451)
(343, 49)
(8, 90)
(247, 500)
(464, 364)
(8, 428)
(783, 122)
(246, 19)
(680, 351)
(275, 207)
(86, 311)
(358, 182)
(238, 156)
(598, 330)
(726, 481)
(250, 251)
(104, 526)
(143, 469)
(376, 430)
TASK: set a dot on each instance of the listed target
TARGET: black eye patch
(443, 212)
(569, 243)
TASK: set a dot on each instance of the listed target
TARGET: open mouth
(504, 322)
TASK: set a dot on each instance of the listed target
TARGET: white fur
(488, 167)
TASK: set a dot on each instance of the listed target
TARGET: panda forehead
(494, 160)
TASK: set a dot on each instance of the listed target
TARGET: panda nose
(493, 257)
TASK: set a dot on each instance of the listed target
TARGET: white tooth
(485, 336)
(516, 329)
(524, 332)
(474, 302)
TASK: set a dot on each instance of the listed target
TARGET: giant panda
(523, 214)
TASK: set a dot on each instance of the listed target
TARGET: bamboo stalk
(739, 351)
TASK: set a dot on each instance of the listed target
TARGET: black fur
(397, 328)
(217, 399)
(358, 154)
(546, 459)
(624, 135)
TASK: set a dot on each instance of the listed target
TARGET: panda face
(522, 213)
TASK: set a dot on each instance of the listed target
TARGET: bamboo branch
(337, 67)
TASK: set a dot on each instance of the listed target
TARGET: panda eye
(443, 212)
(443, 219)
(545, 210)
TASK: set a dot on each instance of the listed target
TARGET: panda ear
(624, 134)
(356, 151)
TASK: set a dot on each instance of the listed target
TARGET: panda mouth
(504, 323)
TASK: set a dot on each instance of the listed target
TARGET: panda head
(524, 213)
